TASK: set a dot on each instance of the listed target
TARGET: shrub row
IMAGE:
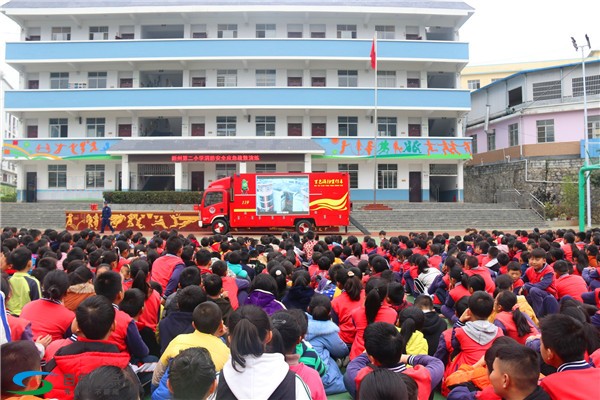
(152, 197)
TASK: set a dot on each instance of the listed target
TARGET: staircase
(405, 217)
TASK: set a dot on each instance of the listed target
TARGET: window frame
(386, 79)
(546, 127)
(265, 168)
(98, 29)
(390, 124)
(347, 78)
(342, 30)
(385, 32)
(99, 78)
(265, 125)
(227, 77)
(348, 126)
(95, 127)
(57, 176)
(491, 139)
(60, 126)
(268, 31)
(513, 134)
(222, 28)
(387, 176)
(265, 77)
(352, 170)
(227, 169)
(56, 30)
(474, 84)
(226, 126)
(60, 80)
(94, 173)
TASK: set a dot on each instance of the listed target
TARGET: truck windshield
(213, 198)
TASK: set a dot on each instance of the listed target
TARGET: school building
(153, 95)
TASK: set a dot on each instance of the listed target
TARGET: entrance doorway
(415, 194)
(31, 187)
(197, 181)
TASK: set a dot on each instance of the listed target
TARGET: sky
(500, 31)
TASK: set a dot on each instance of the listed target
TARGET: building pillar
(125, 184)
(460, 182)
(20, 182)
(178, 177)
(307, 163)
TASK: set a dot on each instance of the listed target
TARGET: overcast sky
(500, 31)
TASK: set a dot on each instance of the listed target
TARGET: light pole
(588, 194)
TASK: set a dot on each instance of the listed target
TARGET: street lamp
(586, 144)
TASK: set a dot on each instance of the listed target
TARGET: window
(226, 77)
(59, 127)
(61, 33)
(265, 126)
(319, 129)
(33, 84)
(348, 126)
(594, 126)
(387, 176)
(346, 31)
(96, 80)
(294, 81)
(225, 170)
(95, 127)
(473, 84)
(57, 176)
(513, 134)
(352, 171)
(98, 32)
(515, 96)
(294, 129)
(347, 78)
(34, 34)
(317, 31)
(198, 129)
(294, 31)
(199, 31)
(545, 130)
(491, 140)
(265, 77)
(318, 81)
(386, 126)
(59, 80)
(547, 90)
(94, 176)
(227, 31)
(386, 78)
(32, 131)
(474, 144)
(198, 81)
(592, 85)
(413, 79)
(385, 31)
(265, 30)
(266, 168)
(216, 197)
(413, 33)
(126, 82)
(226, 126)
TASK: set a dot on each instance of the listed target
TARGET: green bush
(152, 197)
(8, 198)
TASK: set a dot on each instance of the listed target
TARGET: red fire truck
(302, 201)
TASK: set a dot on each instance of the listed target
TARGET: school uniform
(574, 381)
(485, 273)
(454, 295)
(570, 285)
(166, 271)
(48, 317)
(385, 314)
(504, 320)
(341, 312)
(540, 289)
(126, 335)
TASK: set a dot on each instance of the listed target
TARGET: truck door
(214, 204)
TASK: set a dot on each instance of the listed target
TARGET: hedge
(153, 197)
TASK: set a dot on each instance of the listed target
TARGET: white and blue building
(153, 95)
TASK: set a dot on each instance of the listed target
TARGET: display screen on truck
(276, 195)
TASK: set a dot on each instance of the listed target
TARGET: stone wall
(544, 180)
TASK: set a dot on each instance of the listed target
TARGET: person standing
(106, 214)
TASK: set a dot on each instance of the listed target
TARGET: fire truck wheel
(303, 226)
(220, 226)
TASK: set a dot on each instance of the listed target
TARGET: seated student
(471, 267)
(396, 296)
(459, 288)
(503, 261)
(236, 288)
(352, 296)
(540, 286)
(375, 309)
(126, 334)
(433, 326)
(473, 334)
(286, 335)
(563, 346)
(514, 270)
(383, 384)
(510, 319)
(95, 321)
(385, 349)
(152, 300)
(58, 326)
(17, 357)
(109, 383)
(263, 293)
(20, 328)
(426, 275)
(24, 287)
(504, 282)
(299, 295)
(515, 374)
(444, 346)
(308, 355)
(566, 284)
(251, 373)
(213, 286)
(178, 322)
(323, 336)
(133, 305)
(233, 264)
(190, 276)
(192, 375)
(208, 322)
(80, 287)
(410, 321)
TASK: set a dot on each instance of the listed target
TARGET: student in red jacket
(566, 284)
(563, 346)
(166, 269)
(95, 320)
(48, 315)
(472, 267)
(540, 287)
(511, 320)
(352, 296)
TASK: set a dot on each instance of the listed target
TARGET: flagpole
(375, 174)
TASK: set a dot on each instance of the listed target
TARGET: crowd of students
(495, 316)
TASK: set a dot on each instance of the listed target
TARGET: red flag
(374, 53)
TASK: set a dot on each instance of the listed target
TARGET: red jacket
(418, 373)
(151, 312)
(571, 285)
(18, 326)
(231, 287)
(38, 313)
(510, 329)
(458, 292)
(573, 384)
(119, 335)
(490, 286)
(385, 314)
(162, 269)
(535, 277)
(342, 306)
(77, 359)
